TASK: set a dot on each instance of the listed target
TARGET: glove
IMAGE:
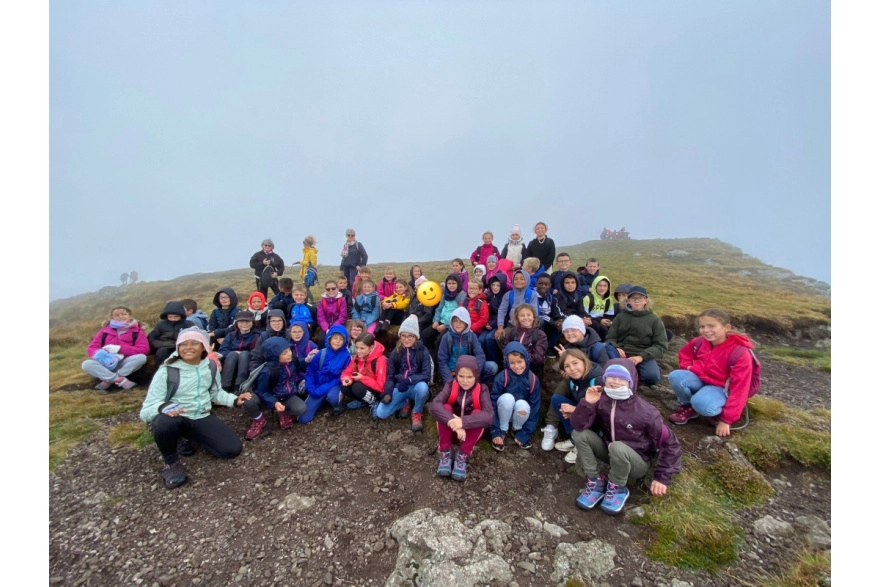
(112, 348)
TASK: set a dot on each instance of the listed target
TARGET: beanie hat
(409, 326)
(194, 333)
(268, 242)
(516, 230)
(468, 362)
(422, 279)
(244, 315)
(492, 259)
(481, 268)
(618, 371)
(574, 322)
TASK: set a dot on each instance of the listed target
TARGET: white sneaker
(572, 456)
(550, 435)
(565, 445)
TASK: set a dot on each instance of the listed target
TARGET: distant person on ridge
(354, 256)
(267, 266)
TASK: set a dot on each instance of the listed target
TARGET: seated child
(323, 375)
(463, 276)
(477, 307)
(460, 340)
(342, 283)
(195, 316)
(424, 314)
(275, 327)
(479, 273)
(563, 266)
(717, 373)
(163, 338)
(453, 295)
(331, 311)
(526, 330)
(414, 273)
(599, 304)
(491, 270)
(409, 371)
(283, 299)
(366, 305)
(362, 274)
(355, 328)
(584, 338)
(386, 287)
(256, 303)
(462, 410)
(520, 294)
(571, 302)
(117, 350)
(235, 352)
(276, 389)
(363, 381)
(495, 293)
(590, 270)
(579, 373)
(638, 334)
(516, 397)
(548, 312)
(220, 322)
(533, 268)
(632, 436)
(302, 311)
(394, 306)
(485, 250)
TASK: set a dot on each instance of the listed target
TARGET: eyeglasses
(407, 335)
(637, 298)
(331, 289)
(190, 343)
(349, 234)
(120, 315)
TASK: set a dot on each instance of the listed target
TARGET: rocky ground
(346, 501)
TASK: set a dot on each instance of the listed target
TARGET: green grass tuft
(743, 486)
(65, 435)
(768, 445)
(820, 360)
(133, 434)
(811, 569)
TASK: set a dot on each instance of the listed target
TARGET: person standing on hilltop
(308, 270)
(542, 247)
(354, 256)
(515, 249)
(267, 266)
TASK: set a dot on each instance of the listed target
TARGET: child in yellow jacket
(394, 306)
(309, 260)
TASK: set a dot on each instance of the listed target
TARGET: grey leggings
(293, 406)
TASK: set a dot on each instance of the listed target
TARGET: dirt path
(113, 523)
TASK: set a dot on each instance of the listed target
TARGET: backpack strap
(534, 381)
(173, 374)
(321, 356)
(134, 337)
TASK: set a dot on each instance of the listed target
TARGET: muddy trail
(313, 505)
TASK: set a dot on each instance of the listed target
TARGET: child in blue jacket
(460, 340)
(366, 305)
(276, 388)
(516, 397)
(323, 375)
(235, 352)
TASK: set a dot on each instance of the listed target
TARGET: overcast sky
(182, 134)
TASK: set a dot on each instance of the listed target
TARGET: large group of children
(483, 334)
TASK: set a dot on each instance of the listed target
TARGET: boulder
(587, 561)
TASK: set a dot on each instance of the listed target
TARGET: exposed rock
(712, 263)
(636, 512)
(554, 530)
(770, 526)
(677, 253)
(295, 503)
(680, 583)
(818, 532)
(587, 561)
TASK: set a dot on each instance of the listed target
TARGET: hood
(273, 347)
(463, 315)
(740, 339)
(233, 299)
(480, 268)
(336, 329)
(525, 275)
(469, 362)
(457, 278)
(378, 351)
(519, 348)
(630, 368)
(257, 294)
(500, 278)
(596, 282)
(173, 308)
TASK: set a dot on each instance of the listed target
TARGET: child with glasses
(638, 334)
(332, 311)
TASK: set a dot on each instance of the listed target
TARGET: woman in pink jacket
(119, 349)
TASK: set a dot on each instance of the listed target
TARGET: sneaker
(355, 405)
(524, 445)
(256, 427)
(338, 410)
(593, 493)
(459, 471)
(445, 468)
(185, 447)
(417, 423)
(498, 447)
(125, 383)
(285, 420)
(174, 475)
(551, 354)
(550, 436)
(405, 410)
(615, 497)
(684, 415)
(571, 456)
(564, 445)
(373, 415)
(104, 385)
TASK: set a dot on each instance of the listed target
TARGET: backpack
(755, 383)
(532, 379)
(477, 253)
(528, 296)
(464, 304)
(134, 337)
(248, 383)
(266, 278)
(311, 276)
(453, 395)
(173, 382)
(470, 347)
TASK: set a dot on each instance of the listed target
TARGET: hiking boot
(185, 447)
(550, 436)
(373, 414)
(615, 497)
(593, 493)
(103, 385)
(285, 420)
(571, 456)
(355, 405)
(405, 410)
(417, 423)
(564, 445)
(684, 415)
(256, 427)
(173, 475)
(459, 471)
(445, 468)
(125, 383)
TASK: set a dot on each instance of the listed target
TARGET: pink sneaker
(684, 415)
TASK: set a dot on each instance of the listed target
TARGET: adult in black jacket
(542, 247)
(354, 256)
(267, 257)
(163, 338)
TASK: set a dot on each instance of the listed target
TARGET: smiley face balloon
(429, 293)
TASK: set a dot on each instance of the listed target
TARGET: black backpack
(173, 381)
(266, 279)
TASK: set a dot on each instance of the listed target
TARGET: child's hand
(279, 407)
(657, 488)
(636, 359)
(455, 424)
(461, 434)
(722, 429)
(566, 410)
(241, 399)
(346, 381)
(498, 334)
(594, 394)
(559, 349)
(386, 399)
(441, 328)
(605, 322)
(356, 376)
(588, 321)
(622, 354)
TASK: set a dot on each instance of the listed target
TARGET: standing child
(579, 373)
(331, 311)
(195, 316)
(308, 270)
(366, 305)
(542, 247)
(388, 283)
(363, 381)
(257, 305)
(463, 275)
(394, 306)
(117, 350)
(235, 352)
(717, 373)
(477, 307)
(324, 373)
(164, 335)
(526, 330)
(482, 252)
(409, 370)
(276, 389)
(638, 334)
(220, 322)
(632, 435)
(516, 397)
(460, 340)
(515, 247)
(462, 410)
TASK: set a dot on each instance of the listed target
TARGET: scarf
(121, 326)
(345, 248)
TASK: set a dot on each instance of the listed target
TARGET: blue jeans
(509, 409)
(649, 372)
(418, 393)
(313, 403)
(556, 402)
(490, 347)
(706, 400)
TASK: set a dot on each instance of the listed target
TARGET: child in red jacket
(481, 253)
(363, 380)
(715, 378)
(477, 307)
